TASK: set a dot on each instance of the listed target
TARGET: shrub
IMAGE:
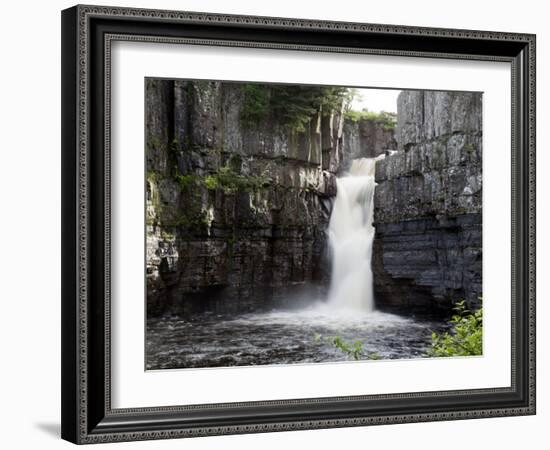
(353, 349)
(465, 338)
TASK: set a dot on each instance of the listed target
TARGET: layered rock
(428, 248)
(236, 214)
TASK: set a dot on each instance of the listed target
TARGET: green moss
(211, 182)
(230, 181)
(187, 182)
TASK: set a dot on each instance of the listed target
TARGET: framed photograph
(279, 224)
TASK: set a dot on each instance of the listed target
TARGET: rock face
(366, 138)
(236, 214)
(427, 249)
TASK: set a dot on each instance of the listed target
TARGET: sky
(376, 100)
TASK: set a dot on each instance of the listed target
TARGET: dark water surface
(281, 337)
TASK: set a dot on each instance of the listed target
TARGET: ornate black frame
(87, 32)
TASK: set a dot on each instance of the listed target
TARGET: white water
(351, 234)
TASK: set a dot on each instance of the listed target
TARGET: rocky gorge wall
(231, 211)
(428, 244)
(236, 214)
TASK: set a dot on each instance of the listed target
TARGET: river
(282, 337)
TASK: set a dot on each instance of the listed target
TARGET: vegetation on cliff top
(388, 120)
(293, 105)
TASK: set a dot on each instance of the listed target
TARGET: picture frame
(87, 413)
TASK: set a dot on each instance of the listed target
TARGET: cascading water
(288, 336)
(351, 234)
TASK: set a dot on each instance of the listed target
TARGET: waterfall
(351, 234)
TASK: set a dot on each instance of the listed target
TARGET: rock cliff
(427, 249)
(235, 210)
